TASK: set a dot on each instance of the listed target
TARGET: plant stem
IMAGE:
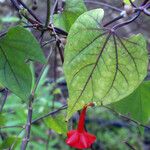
(129, 145)
(42, 71)
(28, 125)
(52, 11)
(126, 117)
(132, 3)
(50, 113)
(146, 1)
(127, 22)
(5, 127)
(114, 20)
(2, 34)
(104, 4)
(29, 10)
(31, 100)
(60, 50)
(37, 24)
(146, 12)
(58, 41)
(48, 14)
(15, 4)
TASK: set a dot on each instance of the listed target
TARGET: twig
(146, 12)
(55, 65)
(114, 20)
(2, 34)
(6, 127)
(47, 42)
(127, 22)
(52, 11)
(42, 71)
(48, 14)
(36, 23)
(58, 41)
(132, 3)
(59, 6)
(104, 4)
(146, 1)
(15, 4)
(125, 117)
(29, 10)
(50, 114)
(28, 125)
(46, 22)
(129, 145)
(31, 100)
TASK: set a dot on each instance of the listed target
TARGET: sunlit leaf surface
(127, 1)
(99, 65)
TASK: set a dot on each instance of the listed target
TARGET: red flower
(80, 138)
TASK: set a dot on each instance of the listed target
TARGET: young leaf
(136, 105)
(57, 123)
(9, 19)
(100, 66)
(16, 47)
(127, 1)
(72, 10)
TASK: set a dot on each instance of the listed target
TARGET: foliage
(95, 67)
(100, 66)
(9, 142)
(140, 100)
(9, 19)
(43, 104)
(15, 73)
(70, 13)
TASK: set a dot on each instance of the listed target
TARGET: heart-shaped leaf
(72, 10)
(100, 66)
(16, 47)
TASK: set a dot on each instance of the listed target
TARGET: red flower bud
(80, 138)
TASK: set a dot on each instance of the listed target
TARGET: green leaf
(99, 65)
(16, 47)
(9, 19)
(127, 1)
(72, 10)
(57, 123)
(9, 142)
(1, 86)
(2, 120)
(136, 105)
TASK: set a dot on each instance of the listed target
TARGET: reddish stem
(82, 118)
